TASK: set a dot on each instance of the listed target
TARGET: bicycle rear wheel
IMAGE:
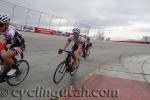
(81, 57)
(61, 69)
(22, 67)
(87, 55)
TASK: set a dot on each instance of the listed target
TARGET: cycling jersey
(14, 38)
(78, 41)
(88, 42)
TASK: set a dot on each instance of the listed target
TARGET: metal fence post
(51, 21)
(27, 17)
(59, 24)
(88, 30)
(13, 10)
(67, 27)
(39, 19)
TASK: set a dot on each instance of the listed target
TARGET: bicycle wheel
(87, 55)
(72, 73)
(81, 54)
(61, 69)
(21, 73)
(81, 57)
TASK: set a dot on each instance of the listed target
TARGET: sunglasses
(1, 24)
(75, 33)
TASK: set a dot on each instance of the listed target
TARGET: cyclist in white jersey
(88, 43)
(14, 39)
(78, 42)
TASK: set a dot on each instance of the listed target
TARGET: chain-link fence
(25, 16)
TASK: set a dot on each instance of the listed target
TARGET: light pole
(13, 10)
(40, 18)
(27, 16)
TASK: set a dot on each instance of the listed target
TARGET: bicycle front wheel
(59, 72)
(22, 67)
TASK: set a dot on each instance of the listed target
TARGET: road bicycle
(66, 66)
(22, 70)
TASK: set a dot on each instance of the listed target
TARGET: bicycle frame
(69, 57)
(65, 66)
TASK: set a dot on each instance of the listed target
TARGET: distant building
(146, 38)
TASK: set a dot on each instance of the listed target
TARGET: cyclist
(88, 43)
(14, 39)
(84, 41)
(85, 37)
(78, 43)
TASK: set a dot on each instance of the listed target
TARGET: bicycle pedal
(72, 69)
(69, 69)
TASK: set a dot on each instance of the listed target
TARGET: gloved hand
(60, 51)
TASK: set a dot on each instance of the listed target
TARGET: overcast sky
(123, 18)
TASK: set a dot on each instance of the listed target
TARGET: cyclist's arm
(79, 48)
(67, 44)
(3, 44)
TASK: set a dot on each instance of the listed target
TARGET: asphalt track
(41, 53)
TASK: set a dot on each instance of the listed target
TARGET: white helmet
(4, 18)
(76, 30)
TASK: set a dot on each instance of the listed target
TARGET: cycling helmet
(77, 30)
(4, 18)
(84, 36)
(88, 38)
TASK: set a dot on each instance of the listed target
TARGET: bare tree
(108, 39)
(100, 35)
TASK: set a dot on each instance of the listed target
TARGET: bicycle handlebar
(61, 51)
(67, 51)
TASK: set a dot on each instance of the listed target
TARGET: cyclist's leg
(8, 57)
(89, 46)
(17, 51)
(70, 58)
(86, 48)
(74, 48)
(8, 60)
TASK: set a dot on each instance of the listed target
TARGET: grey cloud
(100, 13)
(143, 30)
